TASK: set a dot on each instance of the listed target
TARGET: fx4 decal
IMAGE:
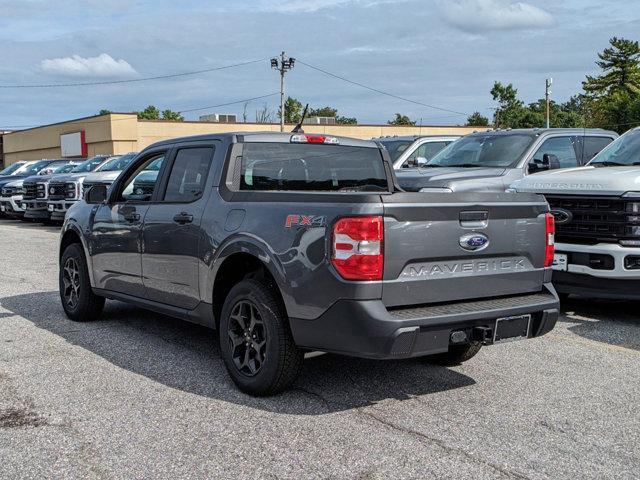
(304, 221)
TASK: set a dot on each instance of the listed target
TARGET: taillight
(358, 244)
(549, 239)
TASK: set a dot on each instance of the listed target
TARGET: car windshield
(33, 168)
(396, 147)
(486, 150)
(11, 168)
(116, 163)
(64, 168)
(624, 151)
(89, 165)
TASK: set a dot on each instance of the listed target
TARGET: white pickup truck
(597, 214)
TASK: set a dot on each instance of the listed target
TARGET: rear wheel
(78, 300)
(255, 341)
(456, 355)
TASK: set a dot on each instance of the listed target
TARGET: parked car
(597, 211)
(493, 160)
(11, 169)
(415, 150)
(36, 189)
(64, 190)
(292, 242)
(11, 199)
(28, 169)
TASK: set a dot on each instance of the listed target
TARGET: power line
(134, 80)
(229, 103)
(382, 92)
(84, 122)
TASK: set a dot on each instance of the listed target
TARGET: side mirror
(95, 194)
(421, 161)
(551, 161)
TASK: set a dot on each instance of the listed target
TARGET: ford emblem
(474, 241)
(561, 216)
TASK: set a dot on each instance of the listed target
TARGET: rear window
(285, 166)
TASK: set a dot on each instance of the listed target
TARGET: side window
(427, 151)
(188, 174)
(141, 184)
(593, 145)
(562, 149)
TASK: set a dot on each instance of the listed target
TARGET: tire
(253, 321)
(78, 300)
(456, 355)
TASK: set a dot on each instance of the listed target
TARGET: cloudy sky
(445, 53)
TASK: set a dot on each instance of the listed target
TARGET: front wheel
(255, 340)
(78, 300)
(456, 355)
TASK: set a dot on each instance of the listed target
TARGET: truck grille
(30, 191)
(57, 191)
(594, 219)
(9, 191)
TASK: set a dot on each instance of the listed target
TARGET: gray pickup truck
(288, 243)
(493, 160)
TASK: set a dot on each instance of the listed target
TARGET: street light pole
(283, 65)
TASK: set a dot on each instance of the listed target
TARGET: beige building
(118, 133)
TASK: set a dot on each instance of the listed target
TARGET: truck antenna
(298, 127)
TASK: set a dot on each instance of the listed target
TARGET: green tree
(149, 113)
(340, 120)
(477, 120)
(401, 120)
(292, 110)
(612, 99)
(172, 116)
(510, 109)
(323, 112)
(620, 64)
(104, 112)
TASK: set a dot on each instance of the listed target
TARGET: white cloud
(296, 6)
(103, 65)
(485, 15)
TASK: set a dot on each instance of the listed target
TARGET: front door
(172, 231)
(116, 232)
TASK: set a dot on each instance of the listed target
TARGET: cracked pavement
(140, 395)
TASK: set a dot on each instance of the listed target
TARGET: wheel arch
(240, 259)
(71, 234)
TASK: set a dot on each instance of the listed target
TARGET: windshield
(64, 168)
(117, 163)
(396, 147)
(624, 151)
(89, 165)
(11, 168)
(488, 150)
(33, 168)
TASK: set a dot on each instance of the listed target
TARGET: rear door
(428, 256)
(172, 228)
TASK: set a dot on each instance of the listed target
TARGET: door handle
(183, 218)
(131, 216)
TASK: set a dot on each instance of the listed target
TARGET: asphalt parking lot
(138, 395)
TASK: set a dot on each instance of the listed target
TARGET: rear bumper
(367, 329)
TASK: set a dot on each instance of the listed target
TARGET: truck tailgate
(427, 254)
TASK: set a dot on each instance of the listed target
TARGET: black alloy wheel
(247, 337)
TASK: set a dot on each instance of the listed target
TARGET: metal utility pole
(283, 65)
(547, 94)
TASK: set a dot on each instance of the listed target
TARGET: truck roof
(545, 131)
(413, 137)
(269, 137)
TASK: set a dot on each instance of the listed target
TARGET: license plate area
(513, 328)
